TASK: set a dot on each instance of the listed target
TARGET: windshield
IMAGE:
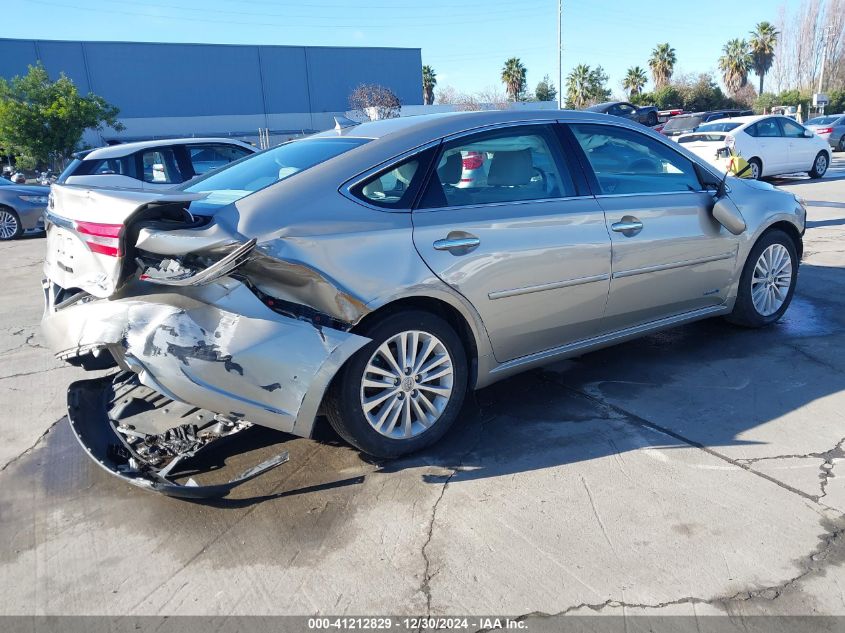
(719, 126)
(822, 120)
(257, 171)
(682, 124)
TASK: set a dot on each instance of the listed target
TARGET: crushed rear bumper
(214, 348)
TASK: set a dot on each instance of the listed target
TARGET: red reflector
(473, 160)
(111, 251)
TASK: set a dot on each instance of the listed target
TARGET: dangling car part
(116, 421)
(356, 274)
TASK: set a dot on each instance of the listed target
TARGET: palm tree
(662, 63)
(634, 81)
(429, 80)
(735, 64)
(764, 38)
(513, 76)
(578, 86)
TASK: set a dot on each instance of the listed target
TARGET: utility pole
(559, 54)
(828, 31)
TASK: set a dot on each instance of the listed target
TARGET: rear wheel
(841, 146)
(10, 224)
(767, 282)
(402, 391)
(651, 119)
(820, 165)
(756, 168)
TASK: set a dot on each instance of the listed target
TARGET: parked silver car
(831, 128)
(349, 273)
(21, 209)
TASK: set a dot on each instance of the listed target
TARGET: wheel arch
(790, 229)
(473, 337)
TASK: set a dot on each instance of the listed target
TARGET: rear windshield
(248, 175)
(681, 124)
(718, 126)
(823, 120)
(68, 170)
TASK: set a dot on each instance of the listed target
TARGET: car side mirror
(726, 213)
(808, 134)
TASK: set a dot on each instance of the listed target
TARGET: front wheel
(756, 168)
(10, 224)
(402, 391)
(767, 282)
(651, 119)
(819, 165)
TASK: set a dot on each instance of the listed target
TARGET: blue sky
(466, 42)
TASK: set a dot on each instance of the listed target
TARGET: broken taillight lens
(101, 238)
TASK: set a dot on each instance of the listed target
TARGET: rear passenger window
(510, 165)
(160, 166)
(627, 162)
(396, 187)
(765, 128)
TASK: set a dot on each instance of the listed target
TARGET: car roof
(124, 149)
(446, 123)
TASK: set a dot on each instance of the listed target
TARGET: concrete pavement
(690, 472)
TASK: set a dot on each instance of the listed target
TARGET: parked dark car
(647, 115)
(686, 123)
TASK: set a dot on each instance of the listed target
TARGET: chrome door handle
(460, 242)
(627, 226)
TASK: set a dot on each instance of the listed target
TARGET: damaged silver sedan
(376, 272)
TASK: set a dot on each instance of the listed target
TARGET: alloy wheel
(8, 225)
(821, 164)
(755, 171)
(842, 144)
(407, 384)
(771, 280)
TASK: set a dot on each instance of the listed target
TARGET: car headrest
(406, 171)
(450, 172)
(510, 169)
(372, 189)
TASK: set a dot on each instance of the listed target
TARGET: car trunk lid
(87, 233)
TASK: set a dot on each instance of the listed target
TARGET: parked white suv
(156, 164)
(772, 145)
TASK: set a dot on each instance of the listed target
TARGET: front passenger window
(627, 162)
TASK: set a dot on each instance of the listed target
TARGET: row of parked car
(151, 165)
(772, 144)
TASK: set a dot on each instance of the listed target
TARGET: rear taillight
(824, 130)
(473, 160)
(101, 238)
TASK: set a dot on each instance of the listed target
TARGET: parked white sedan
(772, 145)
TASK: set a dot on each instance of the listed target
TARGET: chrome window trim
(485, 205)
(651, 193)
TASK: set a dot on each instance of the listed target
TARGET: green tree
(634, 82)
(546, 90)
(668, 97)
(662, 64)
(429, 80)
(764, 38)
(585, 85)
(735, 63)
(513, 76)
(43, 120)
(578, 86)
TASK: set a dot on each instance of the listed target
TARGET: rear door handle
(628, 226)
(449, 244)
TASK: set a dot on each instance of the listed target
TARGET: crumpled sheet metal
(234, 356)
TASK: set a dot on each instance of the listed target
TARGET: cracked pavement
(696, 471)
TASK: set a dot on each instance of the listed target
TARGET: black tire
(343, 401)
(759, 164)
(841, 146)
(744, 312)
(819, 166)
(651, 119)
(7, 213)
